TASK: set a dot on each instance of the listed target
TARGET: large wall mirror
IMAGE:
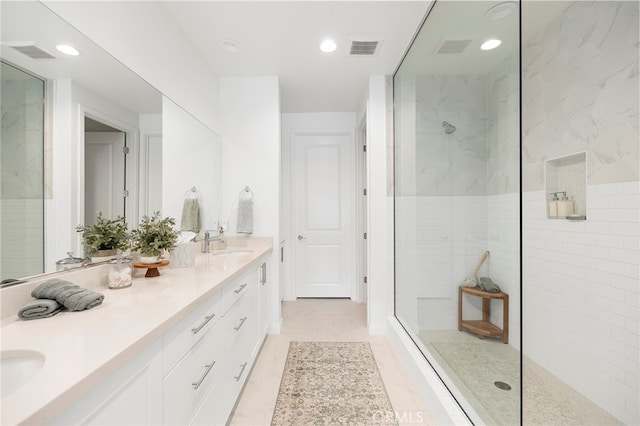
(84, 135)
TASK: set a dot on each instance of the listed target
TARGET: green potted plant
(153, 236)
(102, 240)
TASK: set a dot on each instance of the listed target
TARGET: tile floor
(324, 320)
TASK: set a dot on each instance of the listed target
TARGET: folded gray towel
(39, 308)
(487, 284)
(73, 297)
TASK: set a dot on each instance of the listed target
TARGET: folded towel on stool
(39, 308)
(73, 297)
(487, 284)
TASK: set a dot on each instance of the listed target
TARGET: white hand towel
(245, 216)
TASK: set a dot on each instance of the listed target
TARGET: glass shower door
(457, 196)
(22, 177)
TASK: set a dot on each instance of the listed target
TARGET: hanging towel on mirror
(244, 224)
(190, 215)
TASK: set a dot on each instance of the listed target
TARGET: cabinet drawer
(217, 407)
(187, 385)
(187, 332)
(239, 321)
(234, 291)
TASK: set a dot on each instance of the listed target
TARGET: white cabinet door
(188, 384)
(130, 396)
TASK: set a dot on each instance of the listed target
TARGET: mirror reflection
(75, 130)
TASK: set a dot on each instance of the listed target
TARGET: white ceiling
(29, 21)
(282, 38)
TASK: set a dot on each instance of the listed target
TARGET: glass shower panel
(457, 169)
(22, 177)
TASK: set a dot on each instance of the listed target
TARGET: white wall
(250, 130)
(380, 214)
(191, 157)
(183, 76)
(309, 122)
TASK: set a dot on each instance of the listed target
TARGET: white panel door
(324, 214)
(104, 175)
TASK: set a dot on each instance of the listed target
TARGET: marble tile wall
(581, 280)
(22, 135)
(503, 133)
(456, 163)
(580, 92)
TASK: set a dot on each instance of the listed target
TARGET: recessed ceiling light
(490, 44)
(501, 10)
(68, 50)
(230, 45)
(328, 46)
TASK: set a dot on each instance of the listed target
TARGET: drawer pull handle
(241, 371)
(206, 320)
(242, 320)
(240, 289)
(208, 367)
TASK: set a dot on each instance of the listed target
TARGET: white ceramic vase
(149, 260)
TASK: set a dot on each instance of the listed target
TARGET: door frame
(290, 284)
(361, 210)
(131, 165)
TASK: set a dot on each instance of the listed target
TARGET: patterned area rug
(332, 383)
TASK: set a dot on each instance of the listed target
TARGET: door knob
(300, 238)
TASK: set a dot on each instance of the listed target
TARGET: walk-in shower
(569, 69)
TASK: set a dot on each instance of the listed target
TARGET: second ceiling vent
(364, 47)
(453, 46)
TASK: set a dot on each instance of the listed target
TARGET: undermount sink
(17, 368)
(233, 253)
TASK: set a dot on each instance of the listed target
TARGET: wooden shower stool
(484, 327)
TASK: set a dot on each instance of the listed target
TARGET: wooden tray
(152, 268)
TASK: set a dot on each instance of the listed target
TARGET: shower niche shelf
(566, 177)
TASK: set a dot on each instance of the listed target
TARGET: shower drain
(502, 385)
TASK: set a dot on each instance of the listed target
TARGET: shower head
(448, 127)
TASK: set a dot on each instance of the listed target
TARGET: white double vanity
(174, 349)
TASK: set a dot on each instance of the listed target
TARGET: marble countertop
(82, 348)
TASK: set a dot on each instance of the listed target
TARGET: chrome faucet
(208, 239)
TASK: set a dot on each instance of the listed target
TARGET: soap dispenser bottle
(566, 206)
(553, 206)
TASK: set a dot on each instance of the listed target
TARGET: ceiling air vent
(452, 46)
(31, 50)
(363, 47)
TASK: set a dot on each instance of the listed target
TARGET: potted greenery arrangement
(153, 237)
(102, 240)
